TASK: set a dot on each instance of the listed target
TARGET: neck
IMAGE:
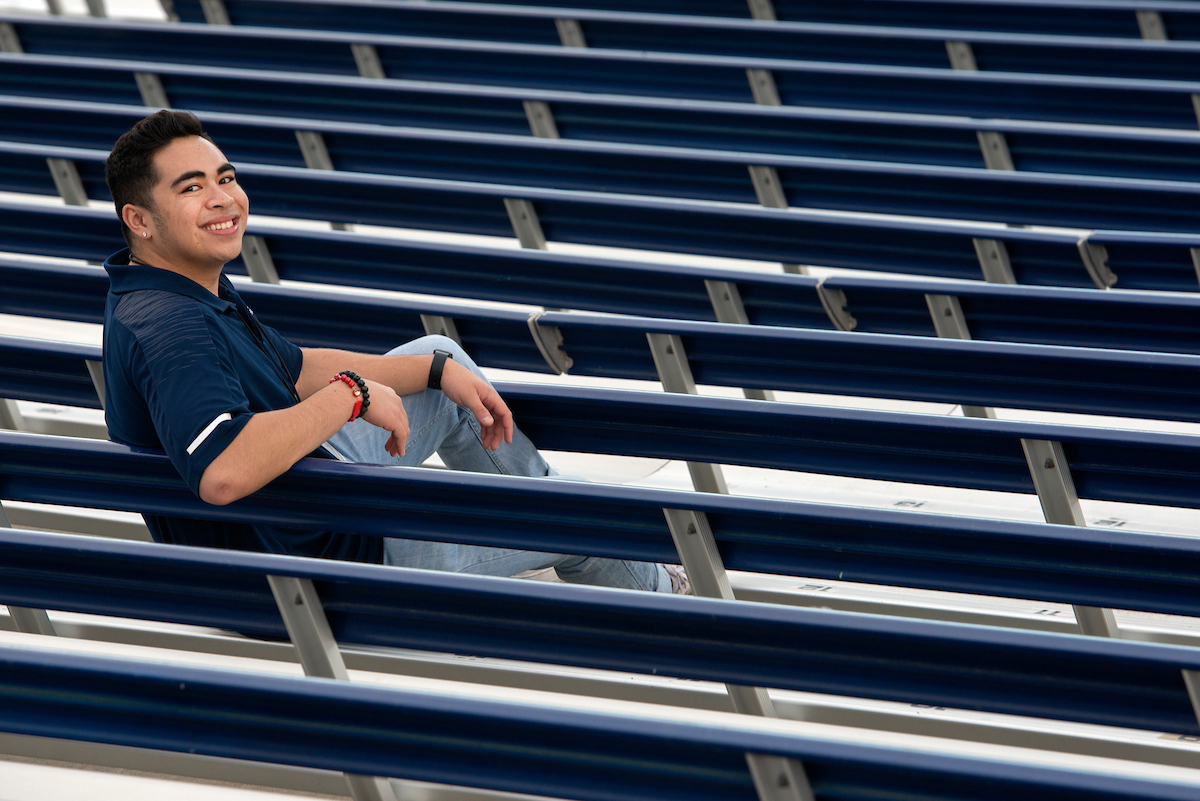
(208, 277)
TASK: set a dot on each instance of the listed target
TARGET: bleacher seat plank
(1117, 683)
(838, 184)
(1057, 98)
(801, 132)
(499, 338)
(727, 48)
(501, 745)
(1094, 18)
(693, 27)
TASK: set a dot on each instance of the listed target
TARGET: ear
(138, 219)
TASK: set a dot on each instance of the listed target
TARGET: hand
(387, 412)
(472, 392)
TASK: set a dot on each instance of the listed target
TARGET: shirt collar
(124, 277)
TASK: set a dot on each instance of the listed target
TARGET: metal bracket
(29, 621)
(32, 621)
(151, 89)
(1150, 23)
(316, 154)
(994, 261)
(1191, 680)
(1052, 480)
(570, 33)
(9, 41)
(762, 86)
(525, 223)
(302, 613)
(436, 325)
(950, 323)
(962, 57)
(948, 318)
(834, 302)
(67, 181)
(316, 157)
(96, 8)
(1196, 261)
(774, 777)
(727, 303)
(541, 119)
(762, 9)
(671, 361)
(767, 187)
(215, 12)
(367, 59)
(996, 155)
(1060, 505)
(1095, 259)
(549, 341)
(258, 260)
(1196, 106)
(10, 420)
(96, 371)
(168, 7)
(55, 7)
(795, 269)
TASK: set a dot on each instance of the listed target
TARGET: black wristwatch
(436, 367)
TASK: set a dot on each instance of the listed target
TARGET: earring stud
(145, 234)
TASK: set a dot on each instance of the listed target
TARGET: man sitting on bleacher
(190, 370)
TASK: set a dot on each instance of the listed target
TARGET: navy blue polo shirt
(184, 371)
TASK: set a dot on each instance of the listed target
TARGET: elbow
(220, 490)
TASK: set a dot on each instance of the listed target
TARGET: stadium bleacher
(850, 138)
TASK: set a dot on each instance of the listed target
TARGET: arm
(274, 441)
(405, 375)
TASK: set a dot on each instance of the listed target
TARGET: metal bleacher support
(30, 621)
(1047, 465)
(767, 186)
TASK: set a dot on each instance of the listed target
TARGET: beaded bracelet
(361, 394)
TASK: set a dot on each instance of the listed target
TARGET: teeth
(219, 226)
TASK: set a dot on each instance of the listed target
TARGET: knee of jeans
(438, 342)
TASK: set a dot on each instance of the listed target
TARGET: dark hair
(129, 169)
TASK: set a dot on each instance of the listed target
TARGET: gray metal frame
(319, 655)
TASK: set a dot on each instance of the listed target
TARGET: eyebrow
(187, 176)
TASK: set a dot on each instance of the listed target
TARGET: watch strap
(437, 366)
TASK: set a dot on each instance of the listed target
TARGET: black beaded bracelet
(362, 387)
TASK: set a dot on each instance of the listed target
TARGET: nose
(218, 197)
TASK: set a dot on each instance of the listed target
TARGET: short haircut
(129, 169)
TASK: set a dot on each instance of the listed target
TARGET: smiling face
(198, 215)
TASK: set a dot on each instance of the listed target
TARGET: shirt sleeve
(191, 390)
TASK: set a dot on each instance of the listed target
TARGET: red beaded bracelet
(357, 395)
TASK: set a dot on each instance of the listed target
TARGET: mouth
(226, 226)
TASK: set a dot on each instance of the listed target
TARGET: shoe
(680, 583)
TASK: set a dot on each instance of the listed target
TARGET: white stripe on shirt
(198, 441)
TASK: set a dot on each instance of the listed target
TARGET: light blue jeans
(437, 425)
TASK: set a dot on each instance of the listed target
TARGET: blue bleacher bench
(1158, 322)
(1141, 261)
(727, 49)
(1055, 676)
(1083, 17)
(760, 131)
(943, 249)
(278, 88)
(1123, 466)
(855, 186)
(498, 745)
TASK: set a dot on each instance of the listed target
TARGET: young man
(190, 370)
